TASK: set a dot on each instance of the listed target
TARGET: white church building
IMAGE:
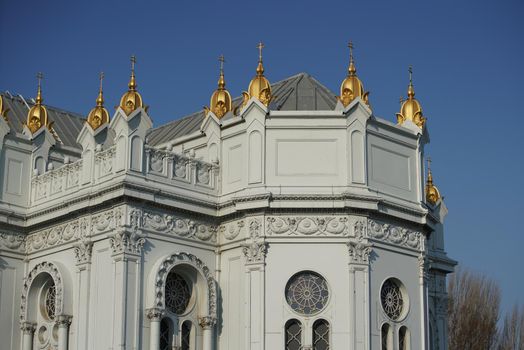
(288, 218)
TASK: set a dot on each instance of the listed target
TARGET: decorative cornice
(396, 235)
(178, 226)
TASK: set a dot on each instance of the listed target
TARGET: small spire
(132, 82)
(221, 80)
(39, 98)
(411, 89)
(351, 70)
(260, 67)
(100, 98)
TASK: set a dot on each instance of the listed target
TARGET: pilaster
(83, 252)
(154, 315)
(424, 309)
(126, 246)
(63, 322)
(255, 250)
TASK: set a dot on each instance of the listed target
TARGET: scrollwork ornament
(14, 242)
(308, 226)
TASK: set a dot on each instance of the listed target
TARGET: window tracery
(165, 335)
(392, 299)
(186, 335)
(307, 293)
(321, 335)
(178, 293)
(293, 335)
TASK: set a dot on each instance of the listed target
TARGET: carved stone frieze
(308, 226)
(52, 270)
(12, 241)
(185, 258)
(395, 234)
(106, 220)
(231, 230)
(126, 242)
(177, 226)
(57, 235)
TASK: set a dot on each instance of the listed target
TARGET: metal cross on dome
(260, 46)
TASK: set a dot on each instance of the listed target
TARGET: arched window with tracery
(166, 334)
(293, 335)
(321, 335)
(403, 339)
(386, 337)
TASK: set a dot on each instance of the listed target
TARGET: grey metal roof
(66, 124)
(297, 93)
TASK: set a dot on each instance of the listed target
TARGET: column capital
(83, 252)
(126, 242)
(63, 321)
(27, 327)
(359, 252)
(207, 322)
(155, 314)
(255, 252)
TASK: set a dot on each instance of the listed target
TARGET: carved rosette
(64, 321)
(83, 252)
(155, 314)
(359, 252)
(207, 322)
(308, 226)
(27, 327)
(231, 230)
(126, 242)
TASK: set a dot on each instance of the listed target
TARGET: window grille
(293, 335)
(307, 293)
(178, 293)
(321, 335)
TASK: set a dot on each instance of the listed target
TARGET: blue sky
(467, 56)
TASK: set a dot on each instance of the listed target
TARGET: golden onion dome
(351, 86)
(98, 115)
(132, 99)
(2, 112)
(37, 115)
(410, 108)
(221, 101)
(259, 86)
(432, 192)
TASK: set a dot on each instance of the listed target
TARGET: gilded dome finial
(432, 192)
(351, 86)
(98, 115)
(259, 86)
(410, 108)
(37, 115)
(221, 101)
(131, 100)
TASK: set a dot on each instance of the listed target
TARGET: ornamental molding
(126, 242)
(396, 235)
(178, 226)
(155, 314)
(423, 267)
(52, 270)
(83, 252)
(232, 230)
(255, 252)
(11, 241)
(207, 322)
(190, 259)
(307, 226)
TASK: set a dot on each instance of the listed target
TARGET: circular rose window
(307, 293)
(392, 299)
(178, 293)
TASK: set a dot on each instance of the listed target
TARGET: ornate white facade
(303, 223)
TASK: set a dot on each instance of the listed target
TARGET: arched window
(387, 337)
(293, 335)
(178, 293)
(165, 334)
(403, 339)
(186, 335)
(321, 335)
